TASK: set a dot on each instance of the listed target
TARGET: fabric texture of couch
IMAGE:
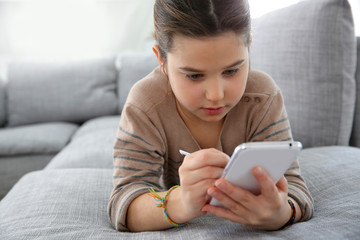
(57, 91)
(81, 210)
(303, 52)
(308, 48)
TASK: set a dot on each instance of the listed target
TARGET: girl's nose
(214, 90)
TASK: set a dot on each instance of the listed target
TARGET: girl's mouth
(213, 111)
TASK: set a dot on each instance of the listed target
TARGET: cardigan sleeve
(138, 159)
(274, 125)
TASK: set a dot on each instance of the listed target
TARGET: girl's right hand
(198, 173)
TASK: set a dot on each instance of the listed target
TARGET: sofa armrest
(355, 136)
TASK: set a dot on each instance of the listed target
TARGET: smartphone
(274, 157)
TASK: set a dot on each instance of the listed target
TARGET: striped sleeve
(274, 125)
(138, 163)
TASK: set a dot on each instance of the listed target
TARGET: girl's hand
(268, 211)
(198, 173)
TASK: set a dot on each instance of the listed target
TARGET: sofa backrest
(72, 91)
(132, 67)
(355, 137)
(309, 50)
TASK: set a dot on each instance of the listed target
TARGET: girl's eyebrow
(190, 69)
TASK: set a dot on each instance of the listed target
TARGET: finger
(224, 213)
(267, 185)
(206, 157)
(226, 201)
(231, 196)
(282, 185)
(197, 175)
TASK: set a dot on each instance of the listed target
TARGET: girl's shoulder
(261, 82)
(149, 91)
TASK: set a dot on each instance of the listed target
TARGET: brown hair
(199, 18)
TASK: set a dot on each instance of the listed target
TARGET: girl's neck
(206, 134)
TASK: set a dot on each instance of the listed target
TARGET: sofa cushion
(42, 138)
(132, 68)
(90, 147)
(355, 138)
(309, 49)
(2, 102)
(12, 168)
(71, 204)
(98, 124)
(72, 91)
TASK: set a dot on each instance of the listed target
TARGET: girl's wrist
(171, 204)
(298, 210)
(179, 209)
(292, 219)
(174, 207)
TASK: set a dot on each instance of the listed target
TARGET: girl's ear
(156, 50)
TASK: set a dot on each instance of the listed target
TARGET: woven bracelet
(162, 204)
(292, 218)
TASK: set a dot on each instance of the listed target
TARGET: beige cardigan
(151, 132)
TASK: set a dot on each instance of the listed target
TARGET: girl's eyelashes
(231, 72)
(198, 76)
(194, 77)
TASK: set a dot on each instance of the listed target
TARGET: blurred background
(67, 29)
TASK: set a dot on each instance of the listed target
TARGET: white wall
(355, 5)
(89, 28)
(74, 28)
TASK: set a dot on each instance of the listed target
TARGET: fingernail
(220, 184)
(212, 192)
(259, 171)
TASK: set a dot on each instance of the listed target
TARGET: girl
(204, 99)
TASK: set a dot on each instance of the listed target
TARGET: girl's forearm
(144, 215)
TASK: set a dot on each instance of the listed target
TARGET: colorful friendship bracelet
(292, 218)
(163, 202)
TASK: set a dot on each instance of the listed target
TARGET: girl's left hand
(268, 211)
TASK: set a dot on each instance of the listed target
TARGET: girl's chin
(212, 117)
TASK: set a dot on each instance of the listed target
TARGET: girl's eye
(194, 77)
(231, 72)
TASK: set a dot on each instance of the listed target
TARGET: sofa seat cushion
(71, 91)
(332, 176)
(71, 204)
(309, 50)
(42, 138)
(98, 124)
(58, 204)
(12, 168)
(90, 147)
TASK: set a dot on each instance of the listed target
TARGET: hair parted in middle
(199, 18)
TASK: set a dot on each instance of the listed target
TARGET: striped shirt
(151, 132)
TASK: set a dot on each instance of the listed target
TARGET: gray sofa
(59, 121)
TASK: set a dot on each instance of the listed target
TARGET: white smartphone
(274, 157)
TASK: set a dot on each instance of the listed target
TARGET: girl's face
(207, 75)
